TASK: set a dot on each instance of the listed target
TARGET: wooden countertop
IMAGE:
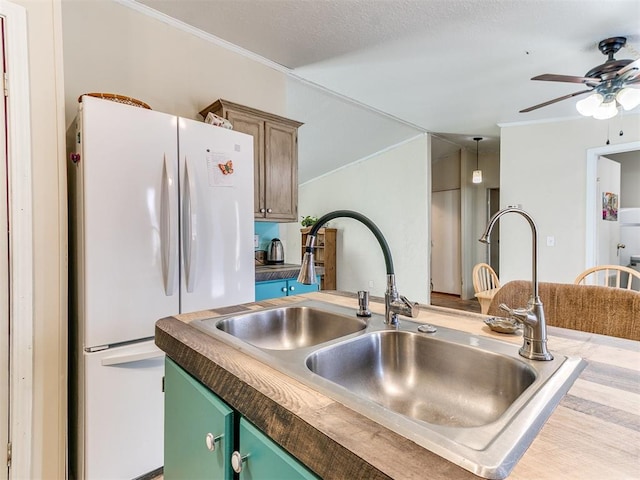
(593, 433)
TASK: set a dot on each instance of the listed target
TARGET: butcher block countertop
(594, 433)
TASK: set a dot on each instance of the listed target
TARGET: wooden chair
(484, 278)
(608, 276)
(485, 284)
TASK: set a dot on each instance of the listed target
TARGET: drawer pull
(237, 460)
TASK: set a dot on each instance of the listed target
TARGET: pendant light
(477, 173)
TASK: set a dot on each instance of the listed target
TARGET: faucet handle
(413, 311)
(520, 315)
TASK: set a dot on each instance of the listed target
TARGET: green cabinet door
(265, 460)
(194, 418)
(283, 288)
(271, 289)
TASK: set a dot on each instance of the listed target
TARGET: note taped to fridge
(220, 168)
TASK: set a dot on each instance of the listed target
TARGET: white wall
(544, 168)
(391, 190)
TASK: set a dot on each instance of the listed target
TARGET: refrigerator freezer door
(128, 183)
(216, 168)
(123, 400)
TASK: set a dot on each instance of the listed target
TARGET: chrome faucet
(394, 303)
(531, 317)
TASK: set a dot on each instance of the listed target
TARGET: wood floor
(455, 302)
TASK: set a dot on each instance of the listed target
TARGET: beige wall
(49, 230)
(544, 168)
(109, 47)
(391, 189)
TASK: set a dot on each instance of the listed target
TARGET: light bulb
(606, 110)
(477, 176)
(589, 105)
(629, 98)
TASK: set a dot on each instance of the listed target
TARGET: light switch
(551, 241)
(256, 241)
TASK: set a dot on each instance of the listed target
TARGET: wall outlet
(551, 241)
(256, 241)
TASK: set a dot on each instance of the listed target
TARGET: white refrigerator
(161, 223)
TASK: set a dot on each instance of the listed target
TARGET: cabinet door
(192, 412)
(265, 459)
(296, 288)
(255, 127)
(281, 172)
(273, 289)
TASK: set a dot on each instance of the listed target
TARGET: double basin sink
(470, 399)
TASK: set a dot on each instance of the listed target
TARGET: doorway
(493, 247)
(593, 208)
(5, 286)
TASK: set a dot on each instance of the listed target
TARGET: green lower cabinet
(198, 429)
(283, 288)
(199, 438)
(263, 459)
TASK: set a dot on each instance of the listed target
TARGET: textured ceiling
(459, 67)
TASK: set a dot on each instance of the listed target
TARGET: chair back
(484, 278)
(609, 276)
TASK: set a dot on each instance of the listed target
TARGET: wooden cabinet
(282, 288)
(200, 437)
(275, 156)
(324, 254)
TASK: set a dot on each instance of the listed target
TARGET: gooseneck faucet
(394, 303)
(532, 317)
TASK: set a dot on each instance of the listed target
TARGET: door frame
(20, 210)
(591, 230)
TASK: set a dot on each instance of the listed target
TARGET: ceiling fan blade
(559, 99)
(550, 77)
(633, 65)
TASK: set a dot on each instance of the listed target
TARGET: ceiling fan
(613, 83)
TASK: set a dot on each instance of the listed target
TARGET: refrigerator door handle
(131, 357)
(189, 228)
(168, 228)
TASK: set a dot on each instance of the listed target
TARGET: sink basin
(468, 398)
(425, 378)
(289, 328)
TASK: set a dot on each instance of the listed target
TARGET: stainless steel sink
(288, 328)
(425, 378)
(468, 398)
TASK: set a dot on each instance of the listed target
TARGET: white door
(123, 411)
(608, 203)
(129, 206)
(446, 276)
(216, 170)
(4, 285)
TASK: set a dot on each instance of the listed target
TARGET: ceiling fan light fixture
(588, 106)
(629, 98)
(606, 110)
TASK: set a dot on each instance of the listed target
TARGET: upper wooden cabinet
(275, 156)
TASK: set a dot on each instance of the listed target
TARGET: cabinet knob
(237, 460)
(284, 289)
(210, 441)
(262, 210)
(292, 288)
(269, 210)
